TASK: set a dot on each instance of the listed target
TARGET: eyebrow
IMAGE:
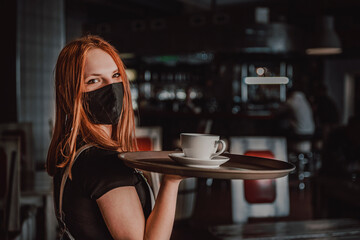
(98, 74)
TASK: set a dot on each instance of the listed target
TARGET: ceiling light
(266, 80)
(324, 40)
(260, 71)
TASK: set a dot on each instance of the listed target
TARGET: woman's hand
(173, 178)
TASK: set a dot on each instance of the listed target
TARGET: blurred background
(274, 78)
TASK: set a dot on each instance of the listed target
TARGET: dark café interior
(277, 79)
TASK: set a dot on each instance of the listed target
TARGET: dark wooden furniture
(348, 229)
(337, 196)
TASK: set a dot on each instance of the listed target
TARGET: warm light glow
(260, 71)
(131, 74)
(126, 55)
(323, 51)
(266, 80)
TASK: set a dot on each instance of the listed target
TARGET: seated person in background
(326, 113)
(296, 115)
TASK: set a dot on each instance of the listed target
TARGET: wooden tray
(238, 167)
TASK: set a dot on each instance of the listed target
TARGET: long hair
(71, 120)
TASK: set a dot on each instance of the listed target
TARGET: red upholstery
(144, 143)
(263, 190)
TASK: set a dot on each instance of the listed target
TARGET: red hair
(71, 120)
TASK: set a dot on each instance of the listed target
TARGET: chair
(262, 190)
(186, 200)
(10, 188)
(259, 198)
(22, 131)
(150, 139)
(3, 172)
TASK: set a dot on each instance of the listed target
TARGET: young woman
(103, 198)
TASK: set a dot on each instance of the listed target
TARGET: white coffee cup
(201, 146)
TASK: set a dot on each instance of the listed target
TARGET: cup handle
(222, 149)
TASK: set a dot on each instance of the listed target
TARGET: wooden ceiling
(116, 17)
(109, 10)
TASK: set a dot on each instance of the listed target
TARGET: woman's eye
(91, 81)
(116, 75)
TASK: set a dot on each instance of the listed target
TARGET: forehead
(98, 60)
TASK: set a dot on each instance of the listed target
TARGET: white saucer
(199, 163)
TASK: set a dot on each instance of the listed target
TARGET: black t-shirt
(94, 173)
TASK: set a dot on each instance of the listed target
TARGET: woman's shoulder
(95, 159)
(99, 170)
(94, 152)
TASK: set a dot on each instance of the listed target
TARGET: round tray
(238, 167)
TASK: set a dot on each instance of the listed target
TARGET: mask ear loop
(67, 121)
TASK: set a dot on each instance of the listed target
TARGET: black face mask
(105, 104)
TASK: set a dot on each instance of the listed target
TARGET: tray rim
(226, 173)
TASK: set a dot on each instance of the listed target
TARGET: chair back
(260, 198)
(10, 202)
(144, 143)
(150, 139)
(262, 190)
(3, 172)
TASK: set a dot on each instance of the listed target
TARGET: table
(337, 196)
(348, 229)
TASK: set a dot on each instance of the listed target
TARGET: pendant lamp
(324, 39)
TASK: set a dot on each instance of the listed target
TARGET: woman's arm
(124, 217)
(161, 220)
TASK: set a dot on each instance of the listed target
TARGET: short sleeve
(98, 171)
